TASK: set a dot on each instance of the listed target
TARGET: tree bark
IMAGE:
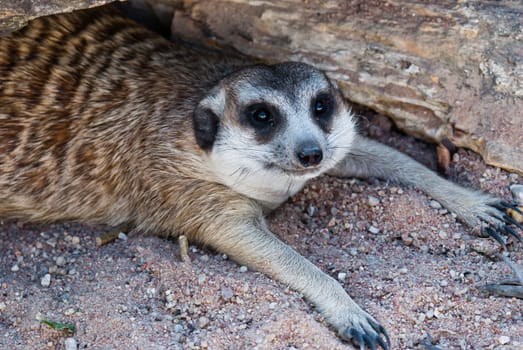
(445, 69)
(15, 14)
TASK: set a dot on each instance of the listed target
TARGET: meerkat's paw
(495, 221)
(363, 331)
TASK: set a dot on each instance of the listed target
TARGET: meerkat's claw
(494, 234)
(368, 338)
(507, 205)
(511, 221)
(510, 231)
(503, 222)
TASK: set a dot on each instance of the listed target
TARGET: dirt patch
(403, 258)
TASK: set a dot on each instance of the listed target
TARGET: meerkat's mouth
(296, 172)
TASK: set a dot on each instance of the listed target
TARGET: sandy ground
(416, 270)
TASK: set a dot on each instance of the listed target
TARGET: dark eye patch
(263, 118)
(322, 107)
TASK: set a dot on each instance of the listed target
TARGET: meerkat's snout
(309, 153)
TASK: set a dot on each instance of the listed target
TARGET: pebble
(517, 193)
(484, 246)
(443, 235)
(435, 204)
(46, 280)
(122, 236)
(201, 278)
(70, 344)
(504, 340)
(2, 305)
(332, 222)
(60, 261)
(374, 230)
(15, 268)
(75, 240)
(311, 210)
(227, 293)
(243, 268)
(203, 322)
(373, 201)
(342, 276)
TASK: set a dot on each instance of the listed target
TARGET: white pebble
(374, 230)
(122, 236)
(203, 322)
(342, 276)
(227, 293)
(243, 269)
(517, 193)
(15, 268)
(373, 201)
(504, 340)
(46, 280)
(70, 344)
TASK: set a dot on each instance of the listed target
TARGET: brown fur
(87, 124)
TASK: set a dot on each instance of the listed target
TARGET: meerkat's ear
(206, 118)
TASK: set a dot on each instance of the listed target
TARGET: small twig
(66, 327)
(184, 248)
(110, 236)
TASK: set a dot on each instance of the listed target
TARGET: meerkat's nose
(309, 154)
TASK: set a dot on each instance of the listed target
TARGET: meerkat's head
(267, 130)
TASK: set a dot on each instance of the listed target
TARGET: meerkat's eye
(264, 119)
(322, 107)
(261, 116)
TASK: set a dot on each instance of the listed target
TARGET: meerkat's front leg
(369, 158)
(247, 240)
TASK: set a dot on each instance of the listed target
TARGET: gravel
(417, 275)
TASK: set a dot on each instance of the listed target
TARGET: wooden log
(442, 69)
(15, 14)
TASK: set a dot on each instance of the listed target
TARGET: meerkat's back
(80, 96)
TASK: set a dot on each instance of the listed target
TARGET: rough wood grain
(15, 14)
(441, 69)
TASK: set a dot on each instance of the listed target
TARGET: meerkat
(104, 121)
